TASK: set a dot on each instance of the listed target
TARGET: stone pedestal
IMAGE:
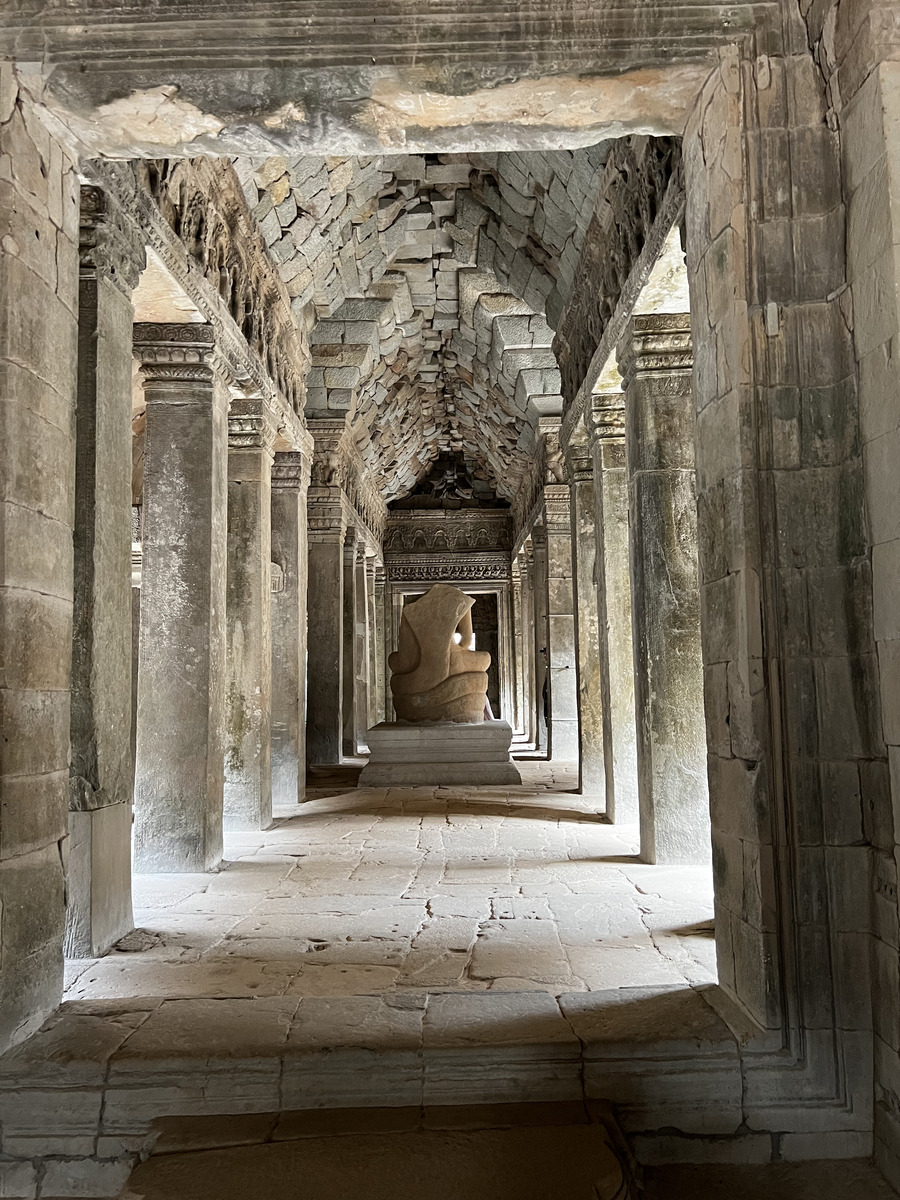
(102, 766)
(656, 365)
(613, 584)
(248, 617)
(290, 481)
(181, 680)
(445, 752)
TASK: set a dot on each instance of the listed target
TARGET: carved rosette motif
(110, 244)
(175, 354)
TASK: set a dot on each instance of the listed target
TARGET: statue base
(435, 753)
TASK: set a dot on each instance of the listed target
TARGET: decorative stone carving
(218, 261)
(175, 353)
(251, 424)
(109, 243)
(435, 568)
(436, 677)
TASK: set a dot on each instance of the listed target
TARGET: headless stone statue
(436, 677)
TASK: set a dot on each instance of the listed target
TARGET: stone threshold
(79, 1099)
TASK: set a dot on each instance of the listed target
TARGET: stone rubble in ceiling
(425, 284)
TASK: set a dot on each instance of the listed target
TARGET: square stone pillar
(248, 616)
(327, 509)
(350, 674)
(529, 636)
(38, 367)
(582, 505)
(380, 656)
(613, 585)
(290, 482)
(539, 584)
(563, 733)
(181, 679)
(371, 638)
(362, 649)
(325, 660)
(518, 641)
(656, 362)
(101, 763)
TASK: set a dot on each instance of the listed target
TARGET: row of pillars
(642, 728)
(187, 692)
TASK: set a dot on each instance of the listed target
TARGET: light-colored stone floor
(382, 890)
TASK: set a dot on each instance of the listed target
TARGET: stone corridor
(406, 889)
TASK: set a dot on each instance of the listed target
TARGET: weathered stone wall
(795, 750)
(871, 167)
(38, 338)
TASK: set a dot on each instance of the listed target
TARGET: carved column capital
(252, 425)
(177, 354)
(606, 419)
(656, 345)
(580, 463)
(110, 245)
(290, 470)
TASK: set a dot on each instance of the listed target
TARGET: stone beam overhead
(123, 80)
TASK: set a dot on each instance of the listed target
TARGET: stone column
(656, 361)
(371, 638)
(563, 734)
(380, 589)
(591, 766)
(181, 679)
(361, 582)
(248, 616)
(349, 747)
(529, 702)
(325, 669)
(538, 572)
(290, 482)
(518, 642)
(101, 761)
(613, 581)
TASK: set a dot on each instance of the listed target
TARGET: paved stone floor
(376, 890)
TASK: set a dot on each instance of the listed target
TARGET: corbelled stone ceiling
(430, 287)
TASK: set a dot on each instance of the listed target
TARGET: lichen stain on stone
(656, 100)
(157, 116)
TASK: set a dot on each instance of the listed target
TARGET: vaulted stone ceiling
(429, 287)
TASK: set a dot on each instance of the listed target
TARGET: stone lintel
(110, 245)
(175, 354)
(656, 344)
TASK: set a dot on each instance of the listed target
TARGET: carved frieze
(460, 569)
(437, 530)
(109, 242)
